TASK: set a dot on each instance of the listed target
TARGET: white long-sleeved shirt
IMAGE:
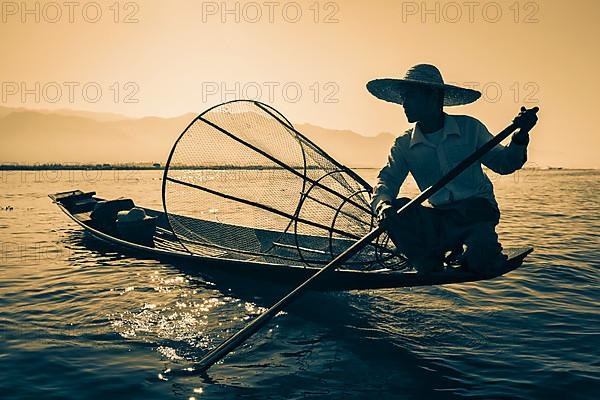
(428, 162)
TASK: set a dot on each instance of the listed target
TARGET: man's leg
(415, 234)
(472, 222)
(484, 252)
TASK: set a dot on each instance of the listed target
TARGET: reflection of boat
(270, 266)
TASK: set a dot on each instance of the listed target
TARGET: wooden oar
(237, 339)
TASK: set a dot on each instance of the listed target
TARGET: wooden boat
(164, 245)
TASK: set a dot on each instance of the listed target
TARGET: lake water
(80, 320)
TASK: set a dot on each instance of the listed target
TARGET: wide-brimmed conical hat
(393, 90)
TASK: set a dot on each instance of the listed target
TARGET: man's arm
(504, 159)
(390, 178)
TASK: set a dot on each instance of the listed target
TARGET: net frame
(383, 255)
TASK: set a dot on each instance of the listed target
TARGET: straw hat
(133, 215)
(392, 90)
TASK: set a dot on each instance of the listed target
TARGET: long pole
(240, 337)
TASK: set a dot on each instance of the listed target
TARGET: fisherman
(465, 212)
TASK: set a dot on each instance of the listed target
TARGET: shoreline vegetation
(76, 166)
(136, 166)
(158, 166)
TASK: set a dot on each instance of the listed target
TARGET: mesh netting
(241, 183)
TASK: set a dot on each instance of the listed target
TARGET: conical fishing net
(241, 183)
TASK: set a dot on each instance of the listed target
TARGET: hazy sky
(311, 60)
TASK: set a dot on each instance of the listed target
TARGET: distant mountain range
(69, 136)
